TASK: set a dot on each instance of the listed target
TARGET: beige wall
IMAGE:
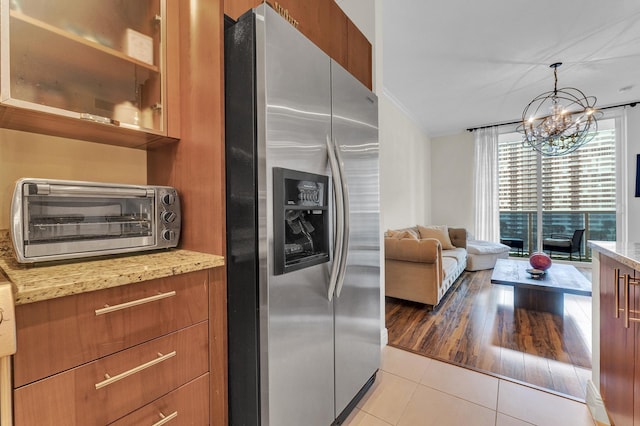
(33, 155)
(405, 159)
(633, 149)
(452, 185)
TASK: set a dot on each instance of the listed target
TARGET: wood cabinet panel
(49, 124)
(338, 31)
(326, 25)
(235, 8)
(617, 346)
(72, 83)
(218, 346)
(172, 70)
(313, 19)
(72, 397)
(70, 333)
(359, 55)
(195, 166)
(187, 405)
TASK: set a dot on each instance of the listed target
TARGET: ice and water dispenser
(301, 220)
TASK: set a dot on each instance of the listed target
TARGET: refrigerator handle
(345, 219)
(339, 223)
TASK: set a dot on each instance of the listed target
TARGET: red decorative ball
(540, 260)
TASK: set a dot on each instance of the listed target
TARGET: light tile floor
(412, 390)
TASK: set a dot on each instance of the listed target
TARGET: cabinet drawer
(107, 389)
(70, 332)
(188, 405)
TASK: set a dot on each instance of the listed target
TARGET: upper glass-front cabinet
(94, 60)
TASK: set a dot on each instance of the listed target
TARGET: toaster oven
(62, 219)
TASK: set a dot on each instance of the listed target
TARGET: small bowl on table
(536, 273)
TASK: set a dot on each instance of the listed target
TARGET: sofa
(484, 254)
(422, 262)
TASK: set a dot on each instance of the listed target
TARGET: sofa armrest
(426, 250)
(458, 237)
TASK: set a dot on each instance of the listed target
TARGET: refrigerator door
(357, 305)
(296, 324)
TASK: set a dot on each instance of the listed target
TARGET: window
(578, 190)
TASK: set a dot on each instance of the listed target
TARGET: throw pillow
(401, 234)
(391, 233)
(440, 233)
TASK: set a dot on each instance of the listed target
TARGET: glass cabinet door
(97, 60)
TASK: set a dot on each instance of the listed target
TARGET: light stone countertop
(33, 283)
(626, 253)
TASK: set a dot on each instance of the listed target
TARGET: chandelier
(559, 121)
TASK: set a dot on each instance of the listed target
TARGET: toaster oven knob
(168, 216)
(168, 199)
(168, 235)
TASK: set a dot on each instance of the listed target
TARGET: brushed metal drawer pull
(636, 282)
(109, 380)
(616, 292)
(108, 309)
(626, 300)
(165, 419)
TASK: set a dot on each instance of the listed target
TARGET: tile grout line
(408, 401)
(419, 383)
(500, 384)
(406, 405)
(498, 400)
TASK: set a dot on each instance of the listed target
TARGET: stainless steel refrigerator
(303, 239)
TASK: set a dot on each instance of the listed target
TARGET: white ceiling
(455, 64)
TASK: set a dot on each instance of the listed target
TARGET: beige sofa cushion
(439, 232)
(449, 265)
(412, 250)
(459, 254)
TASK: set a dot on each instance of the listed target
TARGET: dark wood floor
(477, 327)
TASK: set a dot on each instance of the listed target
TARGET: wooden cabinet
(325, 24)
(195, 166)
(359, 57)
(619, 358)
(97, 357)
(78, 329)
(184, 406)
(93, 70)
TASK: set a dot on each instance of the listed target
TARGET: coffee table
(541, 294)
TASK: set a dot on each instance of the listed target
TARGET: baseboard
(384, 336)
(596, 405)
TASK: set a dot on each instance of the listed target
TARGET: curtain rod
(471, 129)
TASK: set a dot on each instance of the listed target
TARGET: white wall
(452, 185)
(405, 163)
(405, 158)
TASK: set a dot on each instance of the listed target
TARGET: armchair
(565, 243)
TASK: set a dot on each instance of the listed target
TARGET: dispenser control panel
(301, 220)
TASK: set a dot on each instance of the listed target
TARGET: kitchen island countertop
(626, 253)
(33, 283)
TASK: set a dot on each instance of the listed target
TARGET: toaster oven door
(63, 224)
